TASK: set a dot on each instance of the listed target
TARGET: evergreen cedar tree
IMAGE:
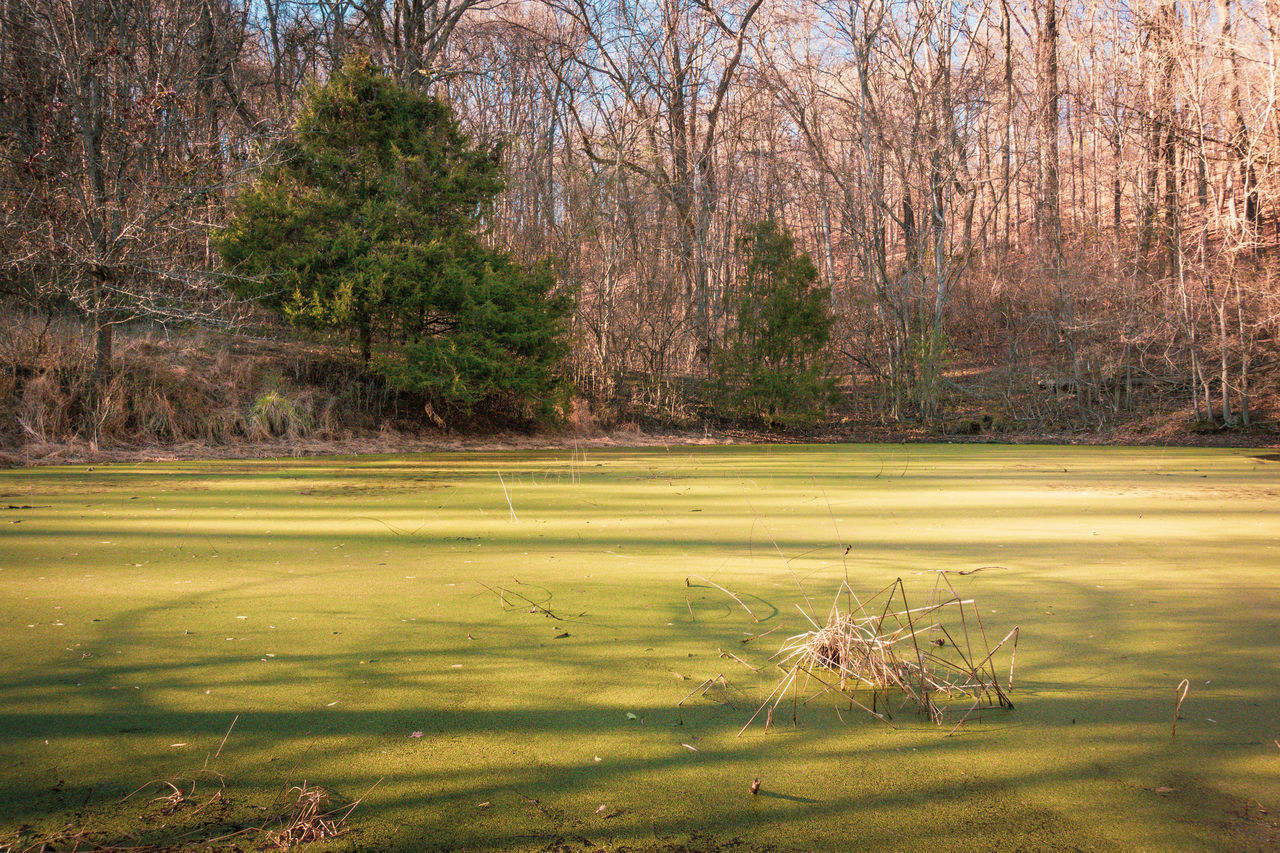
(367, 222)
(773, 368)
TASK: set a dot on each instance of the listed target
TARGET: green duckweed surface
(335, 608)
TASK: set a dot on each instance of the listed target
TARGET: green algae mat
(489, 651)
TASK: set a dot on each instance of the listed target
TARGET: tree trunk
(1244, 357)
(104, 331)
(1240, 143)
(1006, 32)
(102, 353)
(1049, 210)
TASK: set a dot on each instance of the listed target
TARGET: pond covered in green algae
(345, 614)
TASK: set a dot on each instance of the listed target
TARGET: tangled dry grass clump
(176, 821)
(311, 817)
(935, 658)
(274, 415)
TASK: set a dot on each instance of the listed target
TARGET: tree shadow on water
(512, 769)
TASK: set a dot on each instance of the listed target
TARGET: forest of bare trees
(1051, 210)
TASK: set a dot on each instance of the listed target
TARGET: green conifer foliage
(773, 369)
(367, 222)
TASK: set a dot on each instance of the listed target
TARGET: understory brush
(179, 387)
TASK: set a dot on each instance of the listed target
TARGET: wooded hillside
(1025, 214)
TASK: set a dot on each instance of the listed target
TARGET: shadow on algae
(189, 647)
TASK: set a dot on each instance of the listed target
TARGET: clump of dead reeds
(310, 818)
(933, 658)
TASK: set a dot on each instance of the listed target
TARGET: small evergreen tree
(772, 368)
(366, 222)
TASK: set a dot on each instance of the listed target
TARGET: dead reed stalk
(1180, 691)
(741, 603)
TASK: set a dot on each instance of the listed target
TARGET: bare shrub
(44, 409)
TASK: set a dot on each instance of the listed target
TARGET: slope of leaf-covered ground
(193, 394)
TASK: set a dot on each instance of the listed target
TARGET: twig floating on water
(725, 591)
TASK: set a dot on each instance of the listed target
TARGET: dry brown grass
(167, 390)
(311, 817)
